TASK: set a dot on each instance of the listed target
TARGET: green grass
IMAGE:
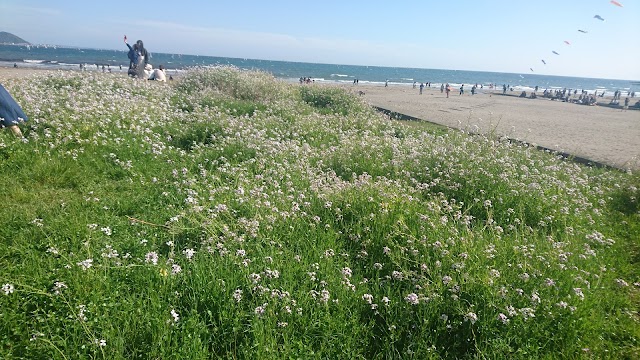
(230, 215)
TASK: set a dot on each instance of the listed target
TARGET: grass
(230, 215)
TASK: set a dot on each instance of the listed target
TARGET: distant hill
(9, 38)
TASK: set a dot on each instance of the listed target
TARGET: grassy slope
(317, 228)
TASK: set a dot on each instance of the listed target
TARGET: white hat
(148, 67)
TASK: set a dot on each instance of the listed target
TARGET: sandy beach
(598, 133)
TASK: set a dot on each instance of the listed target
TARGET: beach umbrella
(555, 52)
(566, 42)
(616, 3)
(598, 17)
(582, 31)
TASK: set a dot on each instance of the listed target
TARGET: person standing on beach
(626, 104)
(10, 112)
(441, 88)
(386, 83)
(421, 87)
(139, 58)
(462, 89)
(448, 89)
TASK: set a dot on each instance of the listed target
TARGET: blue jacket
(132, 55)
(10, 112)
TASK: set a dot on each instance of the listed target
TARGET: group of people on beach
(11, 114)
(139, 66)
(564, 95)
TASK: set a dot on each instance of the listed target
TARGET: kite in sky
(598, 17)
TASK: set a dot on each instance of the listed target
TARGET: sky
(490, 35)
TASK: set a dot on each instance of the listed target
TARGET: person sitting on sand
(11, 113)
(158, 74)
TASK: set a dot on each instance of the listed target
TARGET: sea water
(58, 57)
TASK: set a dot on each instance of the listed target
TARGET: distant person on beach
(441, 88)
(504, 89)
(448, 89)
(386, 83)
(462, 89)
(421, 87)
(11, 113)
(15, 65)
(626, 104)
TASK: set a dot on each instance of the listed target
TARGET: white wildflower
(8, 289)
(471, 316)
(85, 264)
(151, 257)
(412, 299)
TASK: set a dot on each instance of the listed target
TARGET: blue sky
(491, 35)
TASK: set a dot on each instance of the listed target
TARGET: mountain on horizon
(9, 38)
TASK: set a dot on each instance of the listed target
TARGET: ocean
(58, 57)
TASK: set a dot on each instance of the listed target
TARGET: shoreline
(340, 74)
